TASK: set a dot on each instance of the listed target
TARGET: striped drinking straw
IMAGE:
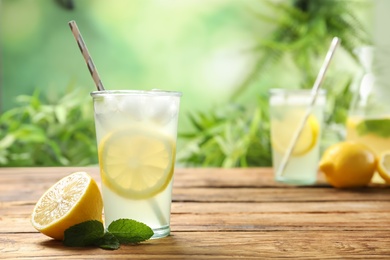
(84, 50)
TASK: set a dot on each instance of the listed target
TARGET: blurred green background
(193, 46)
(222, 54)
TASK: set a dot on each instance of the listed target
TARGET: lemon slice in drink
(136, 163)
(282, 132)
(74, 199)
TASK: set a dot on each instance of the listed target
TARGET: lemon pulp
(136, 163)
(283, 131)
(384, 166)
(74, 199)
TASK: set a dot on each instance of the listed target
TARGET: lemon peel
(348, 164)
(384, 166)
(73, 199)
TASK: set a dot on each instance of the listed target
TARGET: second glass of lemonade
(136, 134)
(287, 110)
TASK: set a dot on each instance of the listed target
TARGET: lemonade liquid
(154, 212)
(371, 131)
(156, 111)
(287, 109)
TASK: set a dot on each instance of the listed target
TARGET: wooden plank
(184, 177)
(24, 208)
(212, 245)
(34, 191)
(255, 221)
(38, 173)
(215, 177)
(282, 207)
(308, 194)
(275, 221)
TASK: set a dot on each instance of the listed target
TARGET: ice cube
(108, 104)
(132, 107)
(163, 109)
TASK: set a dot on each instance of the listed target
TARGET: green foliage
(238, 136)
(338, 99)
(42, 133)
(304, 29)
(232, 136)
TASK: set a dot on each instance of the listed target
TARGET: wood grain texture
(212, 245)
(218, 214)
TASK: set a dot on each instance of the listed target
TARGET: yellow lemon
(73, 199)
(384, 166)
(348, 164)
(136, 163)
(282, 132)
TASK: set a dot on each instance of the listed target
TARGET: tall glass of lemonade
(136, 135)
(287, 110)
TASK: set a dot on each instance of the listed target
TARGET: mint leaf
(84, 234)
(92, 233)
(108, 241)
(380, 127)
(130, 231)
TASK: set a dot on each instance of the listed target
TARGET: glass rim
(284, 91)
(153, 92)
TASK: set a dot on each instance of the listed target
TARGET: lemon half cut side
(282, 133)
(136, 163)
(73, 199)
(384, 166)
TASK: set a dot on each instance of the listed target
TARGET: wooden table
(218, 214)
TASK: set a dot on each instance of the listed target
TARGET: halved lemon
(73, 199)
(384, 166)
(136, 163)
(283, 130)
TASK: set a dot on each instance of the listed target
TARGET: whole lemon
(348, 164)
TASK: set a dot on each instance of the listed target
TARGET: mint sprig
(121, 231)
(380, 127)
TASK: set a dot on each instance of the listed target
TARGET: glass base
(161, 232)
(295, 181)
